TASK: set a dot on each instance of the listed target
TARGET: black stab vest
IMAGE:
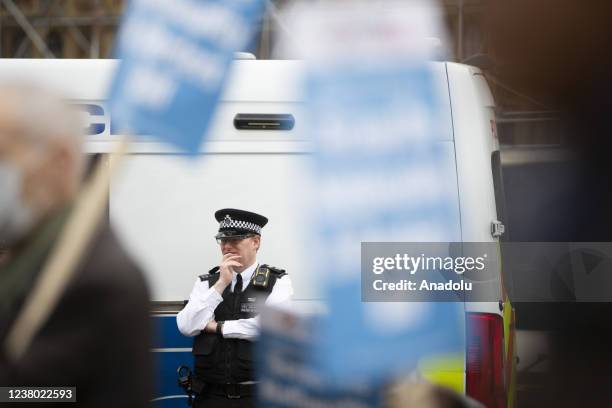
(228, 361)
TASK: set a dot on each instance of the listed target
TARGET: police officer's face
(245, 247)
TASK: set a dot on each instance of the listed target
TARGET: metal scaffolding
(58, 28)
(87, 28)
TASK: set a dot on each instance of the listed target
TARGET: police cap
(237, 223)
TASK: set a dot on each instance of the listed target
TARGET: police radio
(261, 278)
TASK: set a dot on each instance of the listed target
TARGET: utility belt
(193, 385)
(231, 391)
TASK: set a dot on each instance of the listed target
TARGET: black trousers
(219, 401)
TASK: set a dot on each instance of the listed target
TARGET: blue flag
(175, 56)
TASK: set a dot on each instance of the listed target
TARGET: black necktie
(237, 290)
(238, 286)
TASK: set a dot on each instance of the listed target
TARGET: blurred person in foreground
(97, 336)
(222, 313)
(557, 51)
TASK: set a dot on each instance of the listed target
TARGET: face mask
(16, 217)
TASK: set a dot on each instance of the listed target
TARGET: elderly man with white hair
(96, 338)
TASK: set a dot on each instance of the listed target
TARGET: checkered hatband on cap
(229, 223)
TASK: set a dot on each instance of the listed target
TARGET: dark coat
(98, 336)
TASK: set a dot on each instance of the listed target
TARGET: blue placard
(383, 172)
(287, 377)
(175, 56)
(377, 148)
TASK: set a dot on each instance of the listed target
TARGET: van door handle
(264, 121)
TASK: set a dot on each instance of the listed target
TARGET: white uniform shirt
(203, 301)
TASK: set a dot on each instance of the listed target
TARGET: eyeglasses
(233, 240)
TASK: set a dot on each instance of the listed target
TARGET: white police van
(162, 205)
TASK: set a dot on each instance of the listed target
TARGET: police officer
(222, 312)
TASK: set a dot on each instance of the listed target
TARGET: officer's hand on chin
(226, 270)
